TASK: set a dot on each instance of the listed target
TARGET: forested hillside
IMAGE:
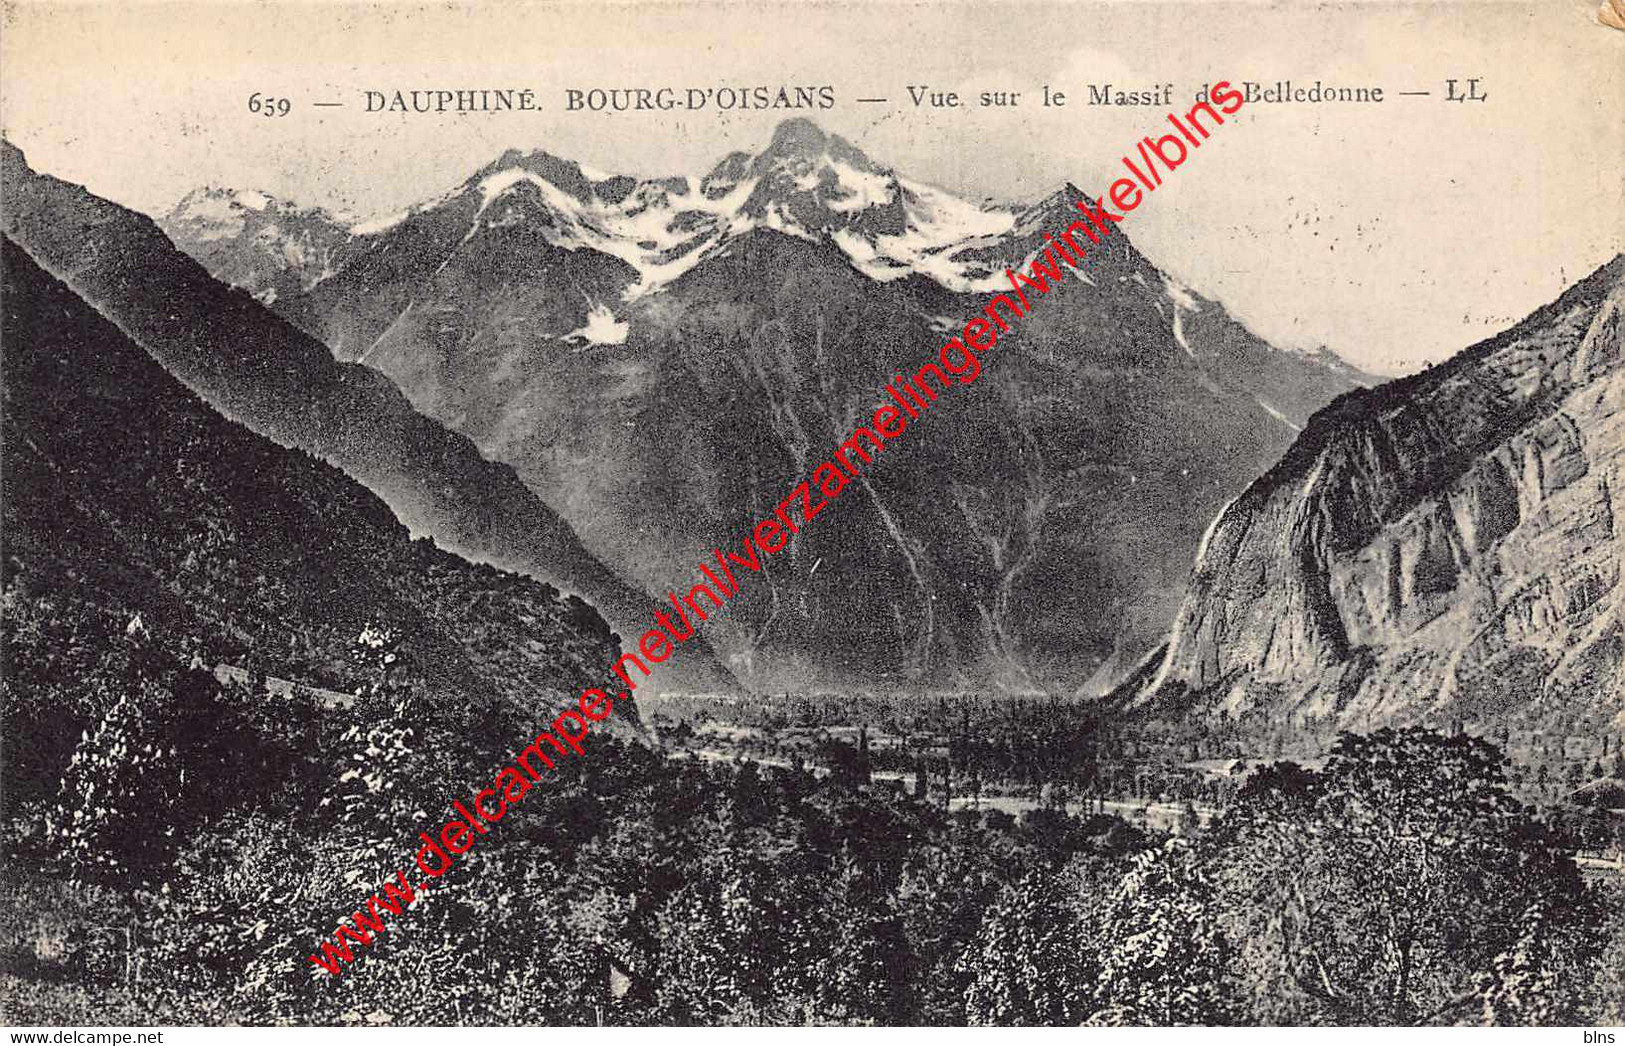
(125, 495)
(125, 491)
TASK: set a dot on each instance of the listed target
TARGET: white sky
(1395, 233)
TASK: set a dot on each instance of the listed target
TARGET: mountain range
(651, 363)
(659, 359)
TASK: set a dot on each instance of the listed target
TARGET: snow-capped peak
(219, 213)
(218, 204)
(805, 183)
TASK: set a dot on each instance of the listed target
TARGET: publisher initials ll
(1454, 93)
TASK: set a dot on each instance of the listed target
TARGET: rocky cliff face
(1444, 547)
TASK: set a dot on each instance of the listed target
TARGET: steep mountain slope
(256, 368)
(661, 359)
(1444, 547)
(123, 492)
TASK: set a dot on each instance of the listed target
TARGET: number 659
(268, 106)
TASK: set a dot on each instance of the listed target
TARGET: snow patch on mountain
(938, 227)
(645, 229)
(1181, 294)
(214, 213)
(862, 253)
(778, 221)
(380, 224)
(601, 328)
(1179, 332)
(863, 189)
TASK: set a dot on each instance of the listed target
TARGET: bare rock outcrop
(1442, 548)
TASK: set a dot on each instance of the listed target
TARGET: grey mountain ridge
(662, 360)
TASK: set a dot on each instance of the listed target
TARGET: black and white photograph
(695, 514)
